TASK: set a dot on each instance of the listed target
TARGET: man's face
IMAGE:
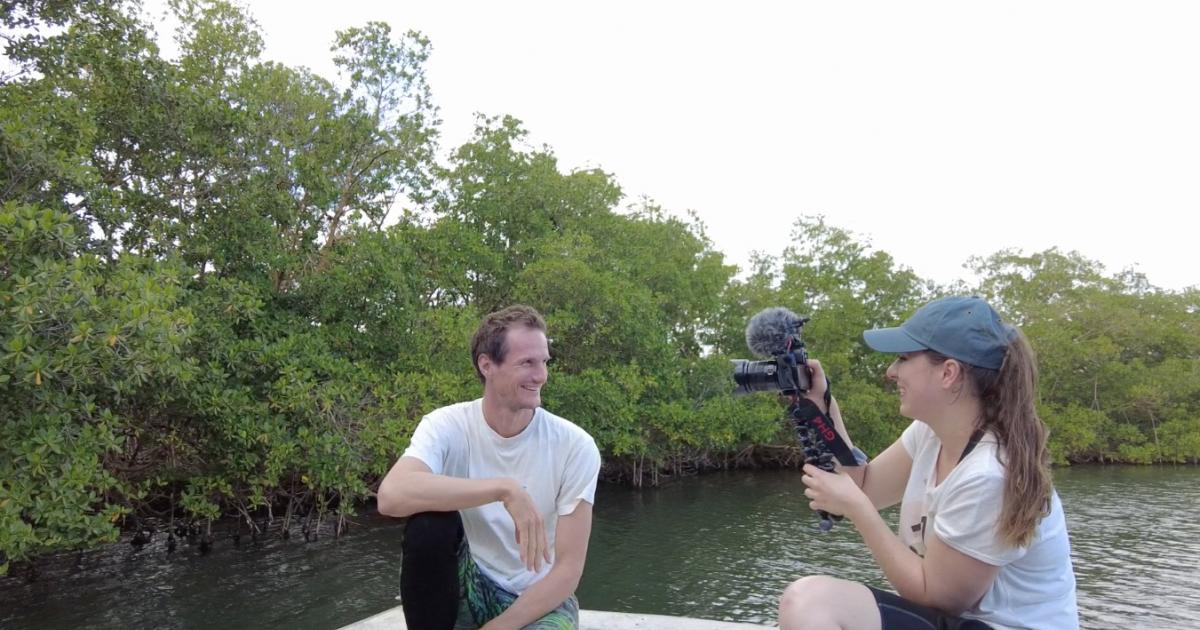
(517, 383)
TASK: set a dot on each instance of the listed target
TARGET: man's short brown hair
(492, 336)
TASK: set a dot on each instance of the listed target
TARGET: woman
(982, 538)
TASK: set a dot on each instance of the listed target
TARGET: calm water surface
(718, 546)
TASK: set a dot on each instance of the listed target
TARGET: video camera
(775, 332)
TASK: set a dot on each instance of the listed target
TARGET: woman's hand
(835, 493)
(817, 385)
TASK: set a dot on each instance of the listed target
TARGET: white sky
(933, 130)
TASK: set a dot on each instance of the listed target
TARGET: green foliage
(86, 344)
(215, 300)
(1125, 352)
(183, 330)
(845, 288)
(1075, 431)
(511, 202)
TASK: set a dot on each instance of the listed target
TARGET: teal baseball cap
(963, 328)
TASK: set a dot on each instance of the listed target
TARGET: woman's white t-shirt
(1036, 584)
(555, 460)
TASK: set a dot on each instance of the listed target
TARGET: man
(499, 495)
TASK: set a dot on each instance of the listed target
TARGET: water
(718, 546)
(1135, 537)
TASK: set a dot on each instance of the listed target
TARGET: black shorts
(898, 613)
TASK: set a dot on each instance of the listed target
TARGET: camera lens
(755, 376)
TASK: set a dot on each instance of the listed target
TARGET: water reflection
(1135, 536)
(277, 584)
(734, 542)
(720, 546)
(723, 547)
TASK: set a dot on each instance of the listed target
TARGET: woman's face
(919, 382)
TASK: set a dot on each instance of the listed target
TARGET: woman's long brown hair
(1009, 400)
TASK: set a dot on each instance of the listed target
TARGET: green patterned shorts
(481, 600)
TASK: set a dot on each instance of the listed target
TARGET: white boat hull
(393, 619)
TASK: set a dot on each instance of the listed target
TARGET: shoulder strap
(971, 443)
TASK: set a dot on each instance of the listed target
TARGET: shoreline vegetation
(231, 287)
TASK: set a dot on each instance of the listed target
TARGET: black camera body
(785, 373)
(774, 333)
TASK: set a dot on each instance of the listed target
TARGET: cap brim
(893, 340)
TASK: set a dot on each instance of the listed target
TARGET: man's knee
(429, 570)
(432, 533)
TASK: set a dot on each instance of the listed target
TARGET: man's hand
(531, 531)
(570, 552)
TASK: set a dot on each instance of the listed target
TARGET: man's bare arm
(410, 488)
(570, 551)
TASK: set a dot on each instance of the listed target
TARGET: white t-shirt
(556, 461)
(1036, 584)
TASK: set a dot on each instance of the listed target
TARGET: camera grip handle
(821, 444)
(806, 414)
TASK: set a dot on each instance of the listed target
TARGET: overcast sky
(933, 130)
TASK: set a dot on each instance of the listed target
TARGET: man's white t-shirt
(556, 461)
(1036, 584)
